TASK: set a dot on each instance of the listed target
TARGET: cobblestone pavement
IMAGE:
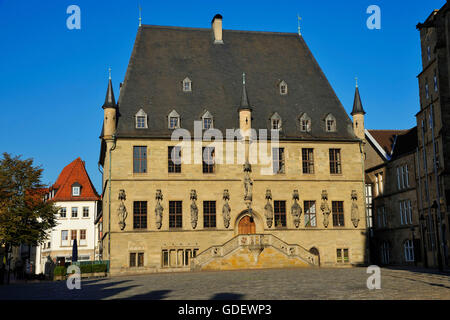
(246, 284)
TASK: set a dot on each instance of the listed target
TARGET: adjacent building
(79, 203)
(433, 136)
(176, 198)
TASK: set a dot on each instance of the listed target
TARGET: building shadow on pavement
(227, 296)
(152, 295)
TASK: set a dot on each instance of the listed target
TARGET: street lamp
(434, 207)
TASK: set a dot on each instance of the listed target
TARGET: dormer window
(174, 120)
(187, 85)
(275, 122)
(207, 120)
(76, 189)
(330, 123)
(141, 120)
(305, 123)
(283, 88)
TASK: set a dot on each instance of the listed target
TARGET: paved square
(246, 284)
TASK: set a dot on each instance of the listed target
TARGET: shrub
(100, 267)
(87, 268)
(60, 271)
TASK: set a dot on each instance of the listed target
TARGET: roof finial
(140, 14)
(243, 78)
(109, 70)
(298, 24)
(356, 80)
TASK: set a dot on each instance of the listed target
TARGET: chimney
(216, 24)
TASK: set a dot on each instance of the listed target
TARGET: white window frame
(283, 84)
(333, 128)
(75, 191)
(173, 114)
(207, 115)
(273, 118)
(87, 212)
(406, 175)
(189, 83)
(141, 114)
(408, 247)
(307, 119)
(65, 242)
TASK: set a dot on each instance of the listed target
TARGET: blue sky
(53, 80)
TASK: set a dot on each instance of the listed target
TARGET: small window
(330, 123)
(174, 159)
(75, 191)
(175, 214)
(275, 122)
(207, 120)
(140, 214)
(140, 259)
(335, 161)
(187, 85)
(435, 81)
(342, 255)
(141, 120)
(278, 160)
(83, 237)
(409, 251)
(63, 212)
(139, 159)
(64, 237)
(305, 123)
(85, 212)
(73, 235)
(308, 160)
(279, 213)
(208, 159)
(174, 120)
(74, 212)
(337, 208)
(283, 88)
(429, 53)
(209, 214)
(310, 213)
(132, 259)
(427, 91)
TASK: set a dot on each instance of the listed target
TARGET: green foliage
(86, 268)
(60, 271)
(25, 217)
(99, 267)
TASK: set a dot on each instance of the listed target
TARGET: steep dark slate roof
(357, 105)
(110, 102)
(163, 56)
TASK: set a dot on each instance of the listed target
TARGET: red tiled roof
(385, 138)
(72, 173)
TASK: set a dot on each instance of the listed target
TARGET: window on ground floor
(342, 255)
(177, 257)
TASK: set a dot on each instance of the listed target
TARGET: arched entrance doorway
(247, 225)
(315, 251)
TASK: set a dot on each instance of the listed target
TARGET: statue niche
(194, 209)
(158, 208)
(122, 210)
(268, 209)
(296, 210)
(325, 208)
(355, 211)
(226, 209)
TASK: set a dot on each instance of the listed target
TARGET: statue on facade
(122, 210)
(325, 208)
(158, 208)
(355, 213)
(268, 209)
(226, 209)
(248, 183)
(194, 209)
(296, 210)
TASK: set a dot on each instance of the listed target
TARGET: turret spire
(110, 102)
(357, 105)
(245, 104)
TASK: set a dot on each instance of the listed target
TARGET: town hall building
(284, 189)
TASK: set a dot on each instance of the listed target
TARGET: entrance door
(247, 225)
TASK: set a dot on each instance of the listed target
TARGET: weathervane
(140, 15)
(298, 24)
(243, 78)
(109, 70)
(356, 80)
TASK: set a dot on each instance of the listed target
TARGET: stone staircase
(254, 244)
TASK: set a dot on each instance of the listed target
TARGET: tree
(25, 217)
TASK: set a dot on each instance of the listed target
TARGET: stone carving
(226, 209)
(268, 209)
(122, 210)
(355, 213)
(248, 183)
(325, 208)
(158, 208)
(194, 209)
(296, 210)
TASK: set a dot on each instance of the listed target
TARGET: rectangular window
(64, 237)
(209, 214)
(207, 123)
(337, 208)
(173, 122)
(310, 213)
(140, 214)
(427, 92)
(342, 256)
(74, 212)
(85, 212)
(175, 214)
(165, 258)
(139, 159)
(174, 159)
(398, 179)
(280, 213)
(132, 259)
(208, 159)
(63, 212)
(140, 259)
(308, 160)
(73, 235)
(410, 211)
(335, 161)
(83, 237)
(401, 212)
(278, 160)
(140, 122)
(330, 125)
(403, 176)
(435, 82)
